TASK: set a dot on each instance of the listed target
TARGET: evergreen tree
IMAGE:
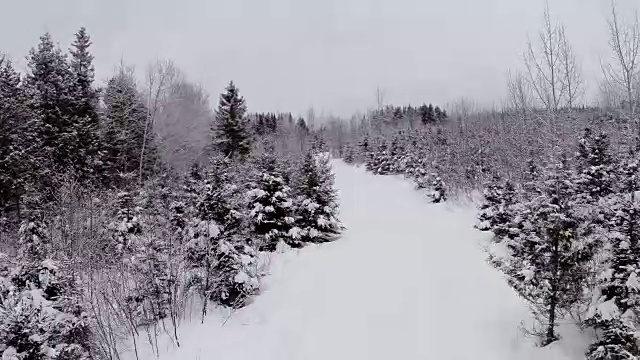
(230, 130)
(495, 212)
(270, 206)
(547, 265)
(124, 131)
(619, 290)
(19, 145)
(126, 229)
(438, 192)
(348, 154)
(84, 104)
(595, 166)
(217, 253)
(316, 200)
(48, 85)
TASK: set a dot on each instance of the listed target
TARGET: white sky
(287, 55)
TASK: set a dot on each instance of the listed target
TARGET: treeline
(114, 218)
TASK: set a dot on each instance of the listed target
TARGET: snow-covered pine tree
(595, 166)
(231, 133)
(548, 259)
(84, 106)
(614, 313)
(496, 211)
(316, 204)
(270, 206)
(47, 85)
(19, 139)
(318, 142)
(348, 154)
(222, 262)
(124, 131)
(126, 228)
(438, 192)
(490, 205)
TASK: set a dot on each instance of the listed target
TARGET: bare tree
(520, 96)
(544, 65)
(571, 71)
(182, 124)
(621, 73)
(160, 76)
(311, 118)
(379, 98)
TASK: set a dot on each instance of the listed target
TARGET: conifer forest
(137, 207)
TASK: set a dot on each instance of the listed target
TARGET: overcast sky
(287, 55)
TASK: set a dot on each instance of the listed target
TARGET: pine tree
(19, 146)
(84, 105)
(348, 154)
(126, 228)
(270, 206)
(548, 258)
(614, 313)
(316, 200)
(230, 130)
(222, 261)
(48, 85)
(438, 192)
(495, 214)
(595, 166)
(124, 131)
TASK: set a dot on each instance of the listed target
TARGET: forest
(122, 204)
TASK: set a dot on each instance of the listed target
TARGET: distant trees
(552, 70)
(621, 72)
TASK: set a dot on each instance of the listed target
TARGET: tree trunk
(550, 336)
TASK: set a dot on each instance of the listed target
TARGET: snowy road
(407, 281)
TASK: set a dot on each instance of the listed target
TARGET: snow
(407, 280)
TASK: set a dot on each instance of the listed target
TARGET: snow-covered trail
(407, 280)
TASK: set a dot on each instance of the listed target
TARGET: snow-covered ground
(408, 280)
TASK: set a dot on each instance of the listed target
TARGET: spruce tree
(316, 200)
(230, 131)
(270, 206)
(595, 166)
(48, 84)
(613, 315)
(124, 131)
(84, 105)
(494, 215)
(548, 258)
(20, 151)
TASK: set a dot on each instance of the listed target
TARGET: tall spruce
(231, 133)
(48, 85)
(19, 141)
(84, 105)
